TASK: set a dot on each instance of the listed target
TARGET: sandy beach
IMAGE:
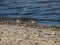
(29, 22)
(28, 35)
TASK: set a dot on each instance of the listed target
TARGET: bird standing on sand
(17, 21)
(33, 21)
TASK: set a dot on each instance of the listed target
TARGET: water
(47, 12)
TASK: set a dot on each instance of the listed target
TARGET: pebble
(0, 39)
(36, 43)
(1, 32)
(45, 40)
(39, 31)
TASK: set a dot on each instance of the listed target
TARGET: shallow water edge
(31, 25)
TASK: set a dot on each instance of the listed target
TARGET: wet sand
(26, 34)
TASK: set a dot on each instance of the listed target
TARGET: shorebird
(17, 21)
(33, 21)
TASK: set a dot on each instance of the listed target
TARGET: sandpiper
(33, 21)
(17, 21)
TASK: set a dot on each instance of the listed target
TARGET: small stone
(1, 32)
(53, 33)
(20, 40)
(47, 34)
(42, 36)
(39, 35)
(0, 39)
(45, 40)
(15, 33)
(36, 43)
(39, 31)
(55, 41)
(26, 38)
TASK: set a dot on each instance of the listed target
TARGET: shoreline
(30, 25)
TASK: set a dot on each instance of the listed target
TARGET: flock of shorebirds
(33, 24)
(18, 21)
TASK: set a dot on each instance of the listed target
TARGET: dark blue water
(45, 11)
